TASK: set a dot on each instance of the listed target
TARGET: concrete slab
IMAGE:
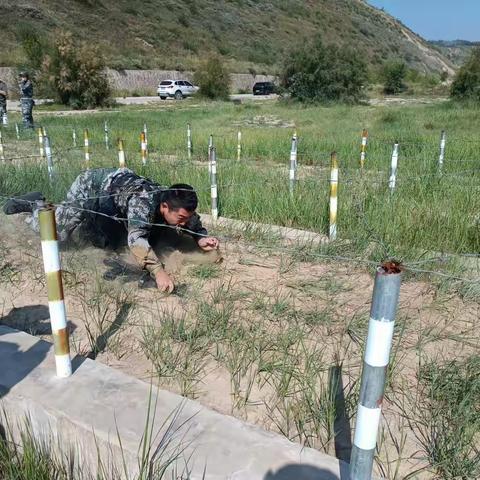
(97, 406)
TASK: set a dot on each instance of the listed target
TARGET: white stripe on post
(368, 420)
(394, 165)
(332, 234)
(239, 145)
(58, 314)
(441, 158)
(379, 342)
(105, 129)
(189, 141)
(213, 186)
(51, 256)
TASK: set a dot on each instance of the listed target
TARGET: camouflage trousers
(3, 106)
(26, 105)
(80, 211)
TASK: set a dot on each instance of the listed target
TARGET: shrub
(213, 78)
(70, 71)
(393, 75)
(318, 73)
(466, 84)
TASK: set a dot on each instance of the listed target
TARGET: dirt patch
(257, 336)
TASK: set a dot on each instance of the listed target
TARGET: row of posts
(46, 152)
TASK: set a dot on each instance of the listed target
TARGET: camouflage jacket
(137, 199)
(3, 89)
(26, 89)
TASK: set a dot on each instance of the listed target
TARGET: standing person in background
(3, 99)
(26, 99)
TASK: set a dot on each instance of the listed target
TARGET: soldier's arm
(138, 234)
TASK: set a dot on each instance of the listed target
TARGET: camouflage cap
(23, 74)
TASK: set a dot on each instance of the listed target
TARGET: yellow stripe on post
(53, 275)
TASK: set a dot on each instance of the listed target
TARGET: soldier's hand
(164, 282)
(208, 243)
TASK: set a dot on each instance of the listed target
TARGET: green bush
(73, 72)
(393, 75)
(466, 84)
(212, 78)
(318, 73)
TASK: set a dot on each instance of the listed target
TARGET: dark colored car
(263, 88)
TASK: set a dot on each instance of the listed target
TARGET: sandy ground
(313, 311)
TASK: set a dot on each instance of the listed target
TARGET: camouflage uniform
(26, 102)
(3, 99)
(132, 199)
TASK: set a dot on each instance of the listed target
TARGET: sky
(437, 19)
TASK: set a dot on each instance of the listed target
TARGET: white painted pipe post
(332, 233)
(143, 146)
(48, 154)
(441, 158)
(107, 141)
(363, 151)
(393, 173)
(386, 292)
(74, 137)
(189, 141)
(17, 131)
(293, 164)
(121, 154)
(40, 143)
(5, 118)
(213, 185)
(239, 146)
(2, 152)
(56, 303)
(86, 145)
(210, 146)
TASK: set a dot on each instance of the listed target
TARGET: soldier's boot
(24, 203)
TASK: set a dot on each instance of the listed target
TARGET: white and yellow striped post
(386, 292)
(210, 146)
(40, 143)
(86, 146)
(443, 142)
(17, 131)
(145, 131)
(143, 146)
(121, 154)
(56, 304)
(189, 141)
(105, 131)
(363, 151)
(332, 233)
(74, 137)
(239, 145)
(5, 119)
(393, 170)
(2, 151)
(213, 185)
(48, 154)
(293, 163)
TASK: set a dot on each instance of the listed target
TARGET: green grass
(427, 212)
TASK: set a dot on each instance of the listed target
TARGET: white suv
(175, 88)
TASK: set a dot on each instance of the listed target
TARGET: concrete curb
(87, 409)
(284, 233)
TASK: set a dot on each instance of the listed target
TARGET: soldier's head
(23, 76)
(178, 204)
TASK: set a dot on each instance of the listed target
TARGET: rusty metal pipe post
(386, 292)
